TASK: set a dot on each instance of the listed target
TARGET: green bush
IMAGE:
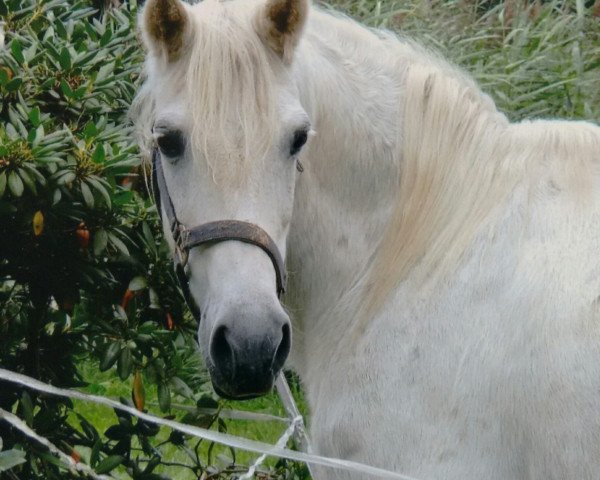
(85, 286)
(81, 274)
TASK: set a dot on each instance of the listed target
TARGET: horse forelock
(226, 81)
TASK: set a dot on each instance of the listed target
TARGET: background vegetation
(87, 294)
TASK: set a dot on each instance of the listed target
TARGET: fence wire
(210, 435)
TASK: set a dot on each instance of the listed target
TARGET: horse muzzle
(245, 355)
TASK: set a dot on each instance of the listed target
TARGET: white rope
(68, 461)
(289, 404)
(210, 435)
(282, 442)
(228, 413)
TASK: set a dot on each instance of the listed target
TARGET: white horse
(444, 264)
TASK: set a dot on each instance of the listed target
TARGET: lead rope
(291, 409)
(281, 443)
(297, 430)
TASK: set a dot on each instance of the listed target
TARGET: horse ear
(280, 24)
(165, 26)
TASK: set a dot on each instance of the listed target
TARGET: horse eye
(300, 137)
(171, 144)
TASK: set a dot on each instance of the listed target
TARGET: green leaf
(34, 171)
(27, 408)
(15, 184)
(177, 438)
(11, 132)
(106, 37)
(90, 431)
(125, 364)
(123, 197)
(66, 177)
(109, 464)
(17, 51)
(88, 196)
(206, 401)
(148, 236)
(95, 453)
(60, 29)
(29, 53)
(180, 387)
(34, 116)
(110, 356)
(80, 92)
(100, 241)
(2, 183)
(118, 243)
(64, 86)
(154, 299)
(10, 459)
(27, 180)
(90, 130)
(105, 71)
(48, 33)
(116, 432)
(39, 136)
(154, 462)
(56, 196)
(13, 116)
(164, 397)
(147, 429)
(65, 59)
(99, 155)
(14, 84)
(97, 184)
(137, 283)
(50, 458)
(84, 58)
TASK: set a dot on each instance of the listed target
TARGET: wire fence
(263, 449)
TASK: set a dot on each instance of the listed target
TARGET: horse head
(227, 127)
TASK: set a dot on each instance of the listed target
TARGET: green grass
(108, 384)
(542, 61)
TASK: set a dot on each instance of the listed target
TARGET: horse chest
(482, 378)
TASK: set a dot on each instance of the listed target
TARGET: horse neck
(359, 227)
(345, 194)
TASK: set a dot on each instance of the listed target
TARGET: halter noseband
(212, 232)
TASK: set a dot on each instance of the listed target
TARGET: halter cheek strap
(208, 233)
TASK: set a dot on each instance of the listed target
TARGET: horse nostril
(221, 352)
(283, 349)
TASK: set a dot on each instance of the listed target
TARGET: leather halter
(208, 233)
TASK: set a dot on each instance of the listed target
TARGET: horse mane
(460, 159)
(227, 79)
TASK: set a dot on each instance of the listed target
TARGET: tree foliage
(84, 274)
